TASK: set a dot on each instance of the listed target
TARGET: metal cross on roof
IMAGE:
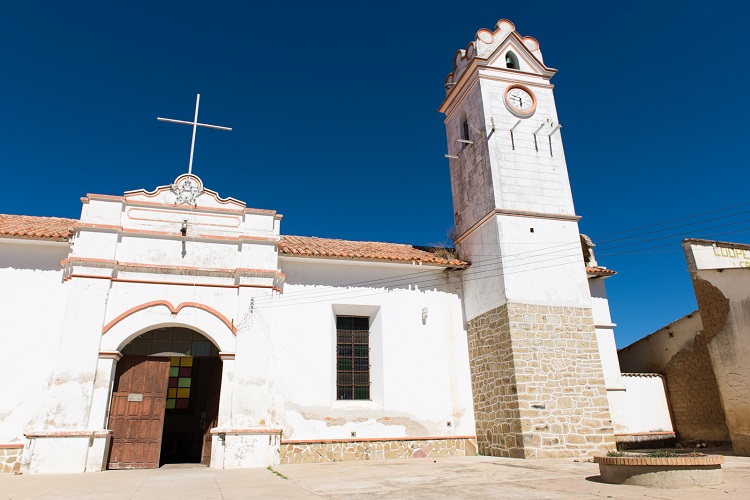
(195, 124)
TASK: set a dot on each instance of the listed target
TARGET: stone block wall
(10, 457)
(299, 452)
(694, 395)
(538, 383)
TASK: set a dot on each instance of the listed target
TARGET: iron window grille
(352, 357)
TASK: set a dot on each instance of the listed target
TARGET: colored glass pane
(186, 361)
(172, 393)
(172, 382)
(183, 393)
(174, 362)
(186, 371)
(181, 404)
(174, 371)
(184, 382)
(170, 404)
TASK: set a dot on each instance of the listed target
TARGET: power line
(410, 278)
(328, 295)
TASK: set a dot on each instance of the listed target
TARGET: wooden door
(137, 412)
(212, 411)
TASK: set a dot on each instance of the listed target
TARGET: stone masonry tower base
(538, 383)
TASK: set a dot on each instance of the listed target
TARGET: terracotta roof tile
(27, 226)
(310, 246)
(600, 271)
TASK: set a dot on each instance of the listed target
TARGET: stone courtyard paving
(461, 477)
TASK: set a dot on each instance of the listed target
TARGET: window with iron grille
(352, 357)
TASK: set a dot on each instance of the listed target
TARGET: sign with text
(722, 256)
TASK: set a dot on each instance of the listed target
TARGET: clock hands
(520, 100)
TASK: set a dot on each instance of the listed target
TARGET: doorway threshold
(184, 466)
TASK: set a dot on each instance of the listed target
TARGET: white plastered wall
(644, 408)
(32, 308)
(420, 371)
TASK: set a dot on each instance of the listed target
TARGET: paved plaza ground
(467, 477)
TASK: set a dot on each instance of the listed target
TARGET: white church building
(174, 325)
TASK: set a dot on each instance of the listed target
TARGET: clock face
(520, 101)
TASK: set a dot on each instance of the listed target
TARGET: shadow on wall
(34, 257)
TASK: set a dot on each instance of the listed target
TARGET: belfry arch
(165, 398)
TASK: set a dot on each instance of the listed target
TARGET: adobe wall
(694, 395)
(679, 352)
(538, 383)
(721, 279)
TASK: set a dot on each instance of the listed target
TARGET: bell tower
(537, 376)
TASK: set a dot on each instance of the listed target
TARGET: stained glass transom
(180, 382)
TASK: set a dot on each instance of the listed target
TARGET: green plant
(661, 454)
(615, 453)
(282, 476)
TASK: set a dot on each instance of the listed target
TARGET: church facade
(174, 325)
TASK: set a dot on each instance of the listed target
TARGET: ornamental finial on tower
(486, 43)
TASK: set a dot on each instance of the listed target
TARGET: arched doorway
(165, 400)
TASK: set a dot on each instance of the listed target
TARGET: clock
(520, 101)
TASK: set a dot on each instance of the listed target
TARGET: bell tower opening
(511, 60)
(165, 400)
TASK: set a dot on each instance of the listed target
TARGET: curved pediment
(188, 190)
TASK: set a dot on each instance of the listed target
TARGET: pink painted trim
(175, 268)
(89, 225)
(130, 202)
(274, 272)
(11, 446)
(177, 283)
(116, 355)
(60, 434)
(227, 356)
(106, 197)
(260, 211)
(371, 440)
(89, 276)
(87, 260)
(206, 191)
(202, 237)
(176, 234)
(259, 238)
(173, 310)
(248, 430)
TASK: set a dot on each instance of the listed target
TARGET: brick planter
(662, 472)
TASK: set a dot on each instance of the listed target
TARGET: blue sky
(333, 106)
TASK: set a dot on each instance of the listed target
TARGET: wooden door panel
(137, 425)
